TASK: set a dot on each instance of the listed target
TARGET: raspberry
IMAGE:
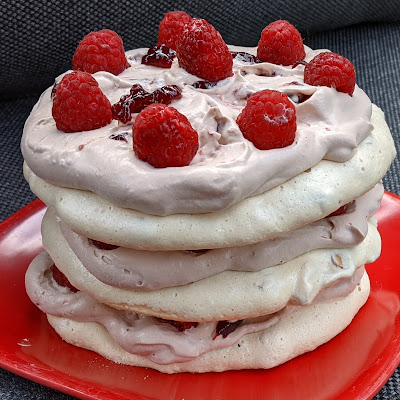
(268, 120)
(79, 104)
(280, 43)
(163, 137)
(61, 279)
(333, 70)
(203, 52)
(100, 51)
(171, 28)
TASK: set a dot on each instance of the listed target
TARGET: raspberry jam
(224, 328)
(346, 209)
(204, 84)
(245, 57)
(181, 326)
(197, 252)
(119, 136)
(61, 279)
(103, 246)
(159, 56)
(138, 99)
(166, 94)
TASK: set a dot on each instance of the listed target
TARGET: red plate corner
(352, 366)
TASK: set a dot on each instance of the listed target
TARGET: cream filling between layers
(226, 169)
(228, 295)
(143, 335)
(150, 270)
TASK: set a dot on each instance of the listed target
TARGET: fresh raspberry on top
(100, 51)
(280, 43)
(61, 279)
(171, 28)
(79, 104)
(268, 120)
(333, 70)
(203, 52)
(164, 137)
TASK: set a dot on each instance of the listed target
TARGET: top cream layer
(226, 169)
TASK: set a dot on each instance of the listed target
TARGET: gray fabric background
(38, 39)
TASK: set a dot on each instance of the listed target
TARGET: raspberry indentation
(171, 28)
(268, 120)
(138, 99)
(202, 52)
(100, 51)
(280, 43)
(61, 279)
(159, 56)
(164, 137)
(79, 104)
(332, 70)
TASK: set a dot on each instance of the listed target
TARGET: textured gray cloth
(39, 38)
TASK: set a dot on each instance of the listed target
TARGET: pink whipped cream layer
(227, 168)
(151, 270)
(144, 335)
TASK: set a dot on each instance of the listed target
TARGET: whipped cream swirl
(227, 168)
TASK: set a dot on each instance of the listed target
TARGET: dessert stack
(210, 207)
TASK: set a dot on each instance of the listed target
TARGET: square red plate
(352, 366)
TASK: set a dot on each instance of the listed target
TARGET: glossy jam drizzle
(159, 56)
(138, 99)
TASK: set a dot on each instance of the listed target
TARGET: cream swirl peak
(227, 168)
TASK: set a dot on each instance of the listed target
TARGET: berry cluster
(161, 135)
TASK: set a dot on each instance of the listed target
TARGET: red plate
(352, 366)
